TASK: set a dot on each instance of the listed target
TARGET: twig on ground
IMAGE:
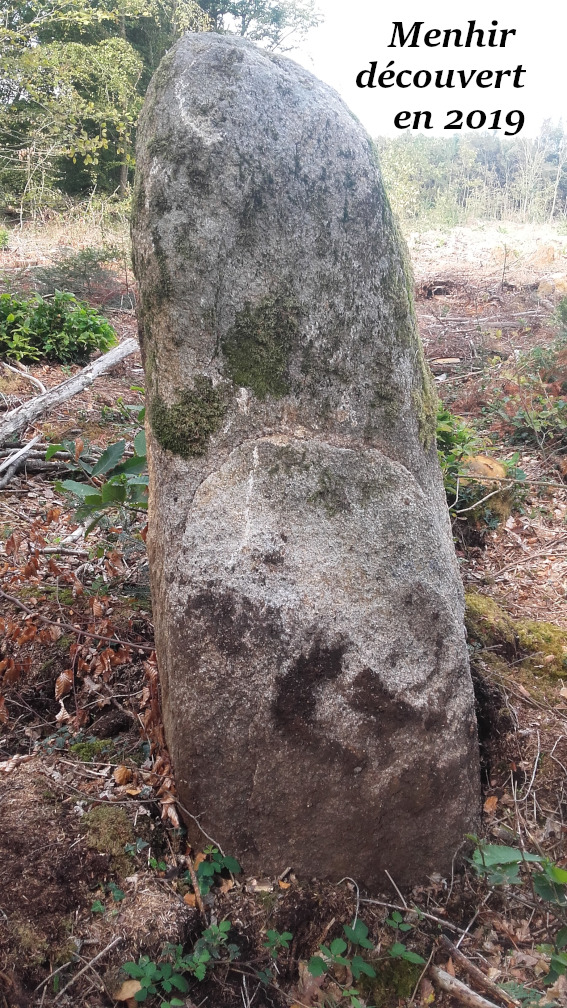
(51, 975)
(111, 945)
(18, 419)
(386, 872)
(420, 977)
(74, 629)
(481, 501)
(19, 454)
(416, 910)
(8, 475)
(475, 973)
(474, 917)
(458, 990)
(347, 878)
(23, 373)
(196, 821)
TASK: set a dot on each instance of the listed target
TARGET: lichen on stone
(258, 346)
(425, 401)
(330, 494)
(184, 427)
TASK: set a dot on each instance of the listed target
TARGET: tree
(276, 24)
(74, 75)
(72, 85)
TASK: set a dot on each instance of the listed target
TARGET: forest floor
(94, 869)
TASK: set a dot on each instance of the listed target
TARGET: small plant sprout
(396, 921)
(331, 956)
(212, 866)
(277, 942)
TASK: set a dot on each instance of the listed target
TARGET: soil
(94, 868)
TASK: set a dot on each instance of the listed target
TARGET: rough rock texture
(308, 609)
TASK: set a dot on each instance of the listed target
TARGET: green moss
(425, 402)
(541, 647)
(542, 640)
(88, 751)
(395, 979)
(32, 944)
(488, 624)
(108, 830)
(184, 428)
(258, 346)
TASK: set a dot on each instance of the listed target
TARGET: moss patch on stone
(184, 427)
(540, 647)
(425, 402)
(258, 346)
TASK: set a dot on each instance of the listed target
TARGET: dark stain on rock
(233, 623)
(368, 695)
(293, 708)
(388, 712)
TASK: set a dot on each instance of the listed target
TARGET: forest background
(73, 80)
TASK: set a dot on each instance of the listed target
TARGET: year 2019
(477, 119)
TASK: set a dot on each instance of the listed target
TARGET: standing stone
(308, 610)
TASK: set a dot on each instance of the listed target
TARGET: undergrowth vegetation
(59, 328)
(529, 401)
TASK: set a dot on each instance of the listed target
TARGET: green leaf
(232, 865)
(133, 466)
(358, 934)
(556, 874)
(489, 855)
(140, 443)
(561, 938)
(561, 958)
(359, 965)
(109, 458)
(79, 489)
(548, 890)
(397, 950)
(205, 869)
(113, 492)
(338, 946)
(412, 957)
(317, 966)
(133, 970)
(51, 451)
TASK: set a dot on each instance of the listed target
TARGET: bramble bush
(58, 328)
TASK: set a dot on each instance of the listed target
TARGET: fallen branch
(73, 629)
(19, 454)
(459, 990)
(21, 417)
(475, 973)
(20, 370)
(110, 946)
